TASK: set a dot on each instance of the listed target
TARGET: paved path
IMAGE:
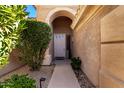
(63, 76)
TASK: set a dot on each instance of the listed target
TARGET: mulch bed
(83, 79)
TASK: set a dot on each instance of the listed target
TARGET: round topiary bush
(34, 41)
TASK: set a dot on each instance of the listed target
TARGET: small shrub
(76, 63)
(18, 81)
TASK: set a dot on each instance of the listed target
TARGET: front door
(59, 45)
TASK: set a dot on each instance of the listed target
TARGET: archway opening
(62, 37)
(57, 12)
(52, 16)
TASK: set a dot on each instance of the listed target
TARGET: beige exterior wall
(87, 45)
(112, 49)
(44, 10)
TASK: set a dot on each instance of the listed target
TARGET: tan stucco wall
(87, 44)
(112, 49)
(44, 10)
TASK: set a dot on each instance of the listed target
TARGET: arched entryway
(53, 16)
(62, 41)
(61, 11)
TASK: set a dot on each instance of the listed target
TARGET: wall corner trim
(85, 14)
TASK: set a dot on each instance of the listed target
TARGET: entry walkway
(63, 76)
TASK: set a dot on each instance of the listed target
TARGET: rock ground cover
(83, 79)
(45, 72)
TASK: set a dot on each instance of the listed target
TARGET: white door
(59, 45)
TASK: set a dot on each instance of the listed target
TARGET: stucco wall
(112, 49)
(87, 45)
(44, 10)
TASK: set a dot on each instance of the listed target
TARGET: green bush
(18, 81)
(10, 27)
(76, 63)
(34, 41)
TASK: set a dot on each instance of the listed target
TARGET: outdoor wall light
(42, 80)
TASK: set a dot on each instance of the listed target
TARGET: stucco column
(48, 57)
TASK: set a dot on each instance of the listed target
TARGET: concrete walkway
(63, 76)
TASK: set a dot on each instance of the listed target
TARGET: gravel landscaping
(83, 79)
(45, 72)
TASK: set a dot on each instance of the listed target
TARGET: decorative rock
(83, 79)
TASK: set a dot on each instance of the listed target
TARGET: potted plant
(76, 63)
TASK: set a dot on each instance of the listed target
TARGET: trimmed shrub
(34, 41)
